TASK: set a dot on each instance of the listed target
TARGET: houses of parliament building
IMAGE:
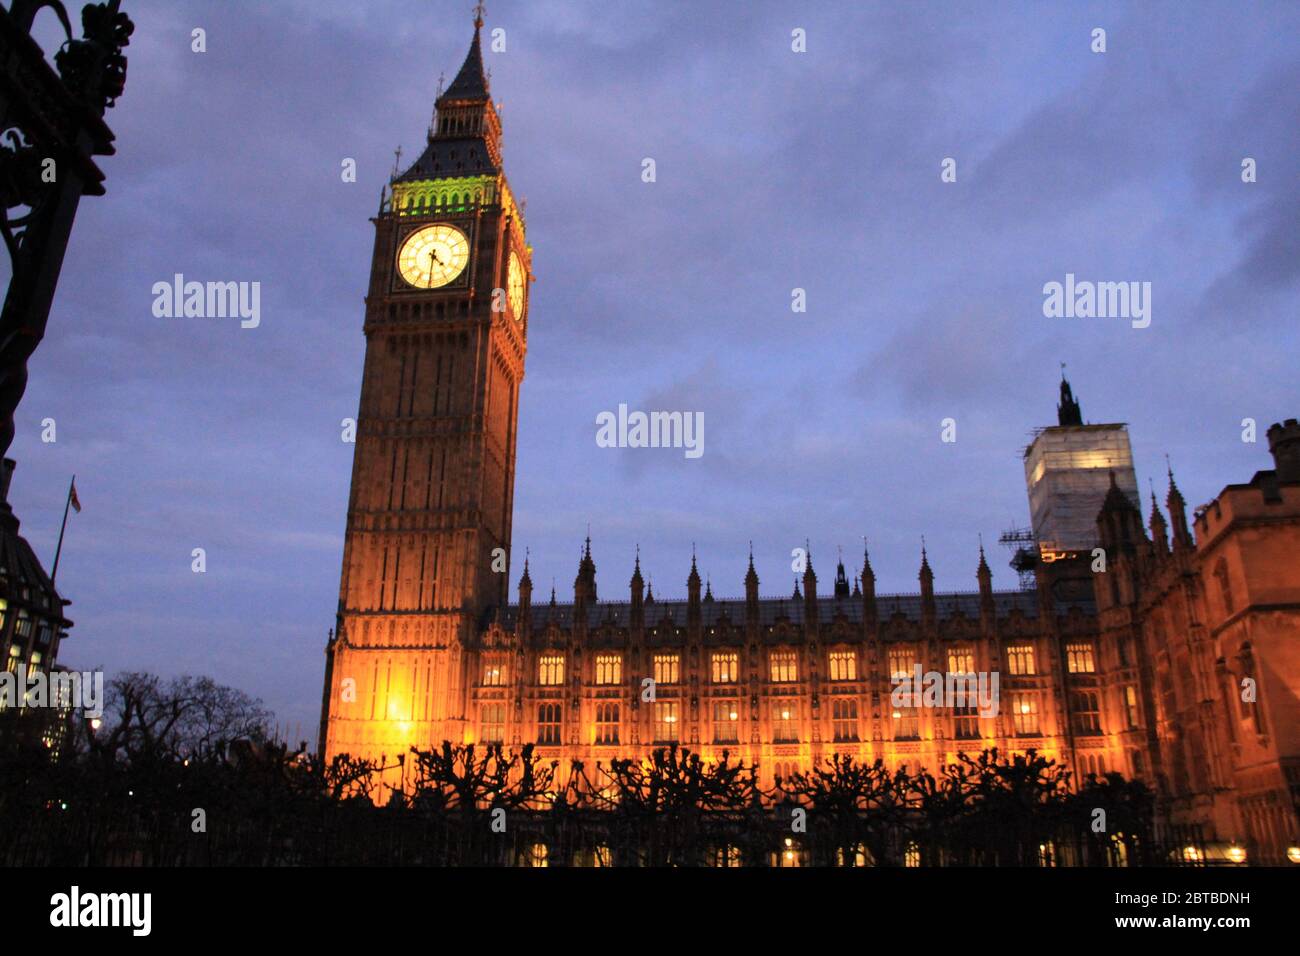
(1165, 649)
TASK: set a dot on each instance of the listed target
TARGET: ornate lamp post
(51, 125)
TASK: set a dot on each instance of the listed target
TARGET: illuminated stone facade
(1130, 669)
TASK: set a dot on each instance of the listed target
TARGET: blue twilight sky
(776, 170)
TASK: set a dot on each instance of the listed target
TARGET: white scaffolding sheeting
(1067, 473)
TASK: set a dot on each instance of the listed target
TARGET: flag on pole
(73, 499)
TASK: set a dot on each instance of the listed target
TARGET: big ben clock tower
(428, 526)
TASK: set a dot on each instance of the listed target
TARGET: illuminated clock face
(515, 281)
(433, 256)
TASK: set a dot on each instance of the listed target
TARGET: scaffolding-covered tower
(1067, 474)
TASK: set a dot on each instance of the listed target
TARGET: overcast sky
(776, 170)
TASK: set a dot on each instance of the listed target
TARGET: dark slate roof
(772, 609)
(463, 156)
(23, 581)
(471, 82)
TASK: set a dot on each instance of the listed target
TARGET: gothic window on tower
(665, 668)
(1024, 710)
(550, 670)
(844, 719)
(726, 667)
(548, 724)
(609, 669)
(1087, 713)
(785, 721)
(1131, 710)
(494, 670)
(1078, 658)
(783, 666)
(726, 722)
(1020, 660)
(607, 722)
(844, 665)
(492, 720)
(665, 722)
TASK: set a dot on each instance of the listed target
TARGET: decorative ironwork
(51, 125)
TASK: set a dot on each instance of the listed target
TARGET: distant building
(1068, 470)
(32, 619)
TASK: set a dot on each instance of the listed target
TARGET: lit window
(1024, 710)
(728, 856)
(492, 723)
(1078, 658)
(609, 669)
(1131, 710)
(726, 722)
(665, 720)
(783, 667)
(34, 665)
(548, 724)
(855, 855)
(538, 855)
(907, 723)
(607, 722)
(844, 719)
(665, 668)
(15, 658)
(961, 660)
(726, 667)
(902, 661)
(550, 669)
(494, 670)
(912, 855)
(844, 665)
(790, 854)
(785, 721)
(1020, 659)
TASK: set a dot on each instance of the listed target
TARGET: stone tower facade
(428, 526)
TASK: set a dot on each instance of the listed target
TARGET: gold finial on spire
(397, 161)
(478, 15)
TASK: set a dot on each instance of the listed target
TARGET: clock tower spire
(427, 545)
